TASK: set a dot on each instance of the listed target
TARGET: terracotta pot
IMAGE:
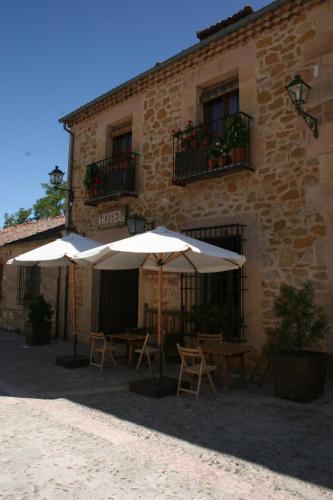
(221, 161)
(212, 163)
(238, 155)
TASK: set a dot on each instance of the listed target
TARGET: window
(122, 144)
(119, 139)
(218, 288)
(28, 284)
(218, 103)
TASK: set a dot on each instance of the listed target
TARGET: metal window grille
(218, 288)
(28, 283)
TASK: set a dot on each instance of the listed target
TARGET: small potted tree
(237, 137)
(299, 374)
(207, 318)
(38, 328)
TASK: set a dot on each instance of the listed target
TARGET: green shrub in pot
(38, 328)
(299, 372)
(208, 318)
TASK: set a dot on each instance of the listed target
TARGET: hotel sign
(112, 218)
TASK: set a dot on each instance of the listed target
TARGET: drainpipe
(68, 218)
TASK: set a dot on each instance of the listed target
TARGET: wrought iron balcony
(218, 148)
(111, 178)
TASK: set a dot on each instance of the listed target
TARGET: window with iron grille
(28, 283)
(218, 288)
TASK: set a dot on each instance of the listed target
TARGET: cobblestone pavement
(79, 434)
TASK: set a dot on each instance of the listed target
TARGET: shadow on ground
(247, 423)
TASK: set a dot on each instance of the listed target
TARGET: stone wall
(287, 203)
(13, 315)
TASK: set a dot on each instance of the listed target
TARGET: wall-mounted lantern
(136, 224)
(56, 177)
(298, 92)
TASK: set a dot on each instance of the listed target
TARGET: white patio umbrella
(162, 250)
(60, 252)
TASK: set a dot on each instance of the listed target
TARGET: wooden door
(118, 300)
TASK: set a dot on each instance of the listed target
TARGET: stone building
(19, 284)
(143, 148)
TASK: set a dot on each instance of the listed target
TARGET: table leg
(242, 361)
(225, 374)
(130, 354)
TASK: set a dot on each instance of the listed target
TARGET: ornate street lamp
(56, 177)
(298, 92)
(136, 224)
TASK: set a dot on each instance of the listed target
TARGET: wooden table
(131, 340)
(226, 351)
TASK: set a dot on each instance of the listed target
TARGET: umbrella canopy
(174, 251)
(59, 252)
(162, 250)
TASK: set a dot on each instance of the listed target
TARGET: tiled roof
(234, 34)
(30, 229)
(205, 33)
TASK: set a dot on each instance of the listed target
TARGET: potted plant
(200, 137)
(90, 175)
(207, 318)
(38, 328)
(213, 154)
(236, 137)
(220, 149)
(299, 374)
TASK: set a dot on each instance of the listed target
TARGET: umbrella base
(154, 388)
(70, 362)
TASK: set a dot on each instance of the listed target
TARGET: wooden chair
(194, 363)
(148, 350)
(100, 346)
(211, 337)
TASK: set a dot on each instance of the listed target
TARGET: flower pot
(299, 376)
(238, 155)
(221, 161)
(212, 163)
(37, 332)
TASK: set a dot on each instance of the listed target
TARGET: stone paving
(79, 434)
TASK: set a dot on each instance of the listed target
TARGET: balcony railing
(218, 148)
(111, 178)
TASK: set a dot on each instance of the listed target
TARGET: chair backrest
(97, 336)
(210, 337)
(191, 355)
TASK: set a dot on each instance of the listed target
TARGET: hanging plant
(92, 176)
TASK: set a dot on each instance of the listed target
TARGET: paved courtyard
(80, 435)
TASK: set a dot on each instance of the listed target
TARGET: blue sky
(56, 55)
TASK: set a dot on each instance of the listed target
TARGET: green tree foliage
(19, 217)
(50, 205)
(301, 321)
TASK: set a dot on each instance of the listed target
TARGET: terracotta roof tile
(27, 229)
(205, 33)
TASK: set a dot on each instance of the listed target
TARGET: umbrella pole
(74, 310)
(159, 320)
